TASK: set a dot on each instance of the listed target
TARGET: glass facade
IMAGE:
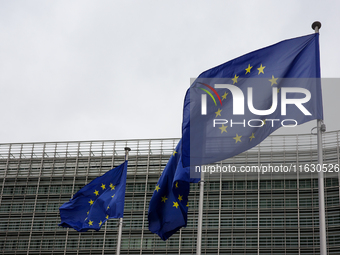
(244, 213)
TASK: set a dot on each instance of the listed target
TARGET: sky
(114, 70)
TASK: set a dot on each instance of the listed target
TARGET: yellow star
(261, 69)
(157, 188)
(164, 199)
(180, 198)
(234, 79)
(218, 113)
(103, 186)
(278, 90)
(107, 217)
(176, 185)
(112, 186)
(88, 212)
(187, 204)
(108, 207)
(223, 128)
(237, 138)
(91, 202)
(252, 136)
(175, 205)
(264, 122)
(100, 223)
(224, 96)
(96, 192)
(248, 69)
(173, 154)
(113, 195)
(273, 80)
(90, 222)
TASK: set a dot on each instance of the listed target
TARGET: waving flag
(101, 199)
(234, 106)
(169, 204)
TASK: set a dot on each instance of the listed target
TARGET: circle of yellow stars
(248, 70)
(91, 202)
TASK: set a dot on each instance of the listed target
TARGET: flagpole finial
(316, 26)
(127, 149)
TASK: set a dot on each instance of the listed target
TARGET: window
(307, 241)
(251, 241)
(31, 189)
(226, 204)
(265, 221)
(252, 203)
(214, 185)
(187, 242)
(332, 198)
(251, 221)
(8, 190)
(291, 202)
(239, 204)
(305, 202)
(151, 186)
(239, 185)
(278, 184)
(277, 203)
(305, 184)
(139, 187)
(239, 222)
(278, 241)
(265, 203)
(291, 241)
(226, 222)
(227, 185)
(5, 207)
(291, 221)
(238, 241)
(211, 242)
(28, 207)
(173, 243)
(225, 242)
(35, 244)
(265, 241)
(265, 184)
(22, 244)
(252, 185)
(306, 221)
(213, 204)
(278, 222)
(290, 184)
(334, 219)
(333, 239)
(332, 182)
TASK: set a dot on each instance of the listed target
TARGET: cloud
(83, 70)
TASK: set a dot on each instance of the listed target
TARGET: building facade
(244, 213)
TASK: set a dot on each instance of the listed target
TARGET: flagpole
(322, 218)
(200, 216)
(120, 230)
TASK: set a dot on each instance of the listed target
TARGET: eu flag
(233, 107)
(169, 204)
(101, 199)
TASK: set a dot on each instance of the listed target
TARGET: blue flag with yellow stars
(169, 204)
(236, 105)
(101, 199)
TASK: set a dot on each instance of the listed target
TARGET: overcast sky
(110, 70)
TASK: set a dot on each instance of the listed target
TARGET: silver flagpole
(200, 216)
(120, 230)
(322, 218)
